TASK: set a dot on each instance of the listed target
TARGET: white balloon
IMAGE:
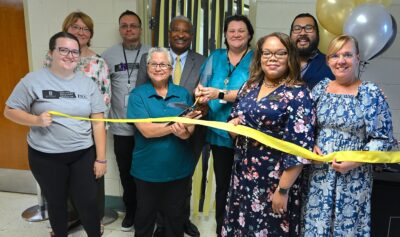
(371, 25)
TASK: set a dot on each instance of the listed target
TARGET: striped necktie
(177, 71)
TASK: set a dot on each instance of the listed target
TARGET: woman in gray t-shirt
(65, 155)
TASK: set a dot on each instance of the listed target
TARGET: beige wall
(44, 18)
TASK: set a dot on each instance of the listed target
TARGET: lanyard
(133, 66)
(230, 71)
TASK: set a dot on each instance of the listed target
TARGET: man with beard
(186, 71)
(305, 34)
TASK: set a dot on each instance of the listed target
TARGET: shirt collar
(172, 90)
(182, 56)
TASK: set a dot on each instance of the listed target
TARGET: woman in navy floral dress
(265, 194)
(351, 115)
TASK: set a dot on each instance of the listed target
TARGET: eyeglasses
(163, 66)
(278, 54)
(126, 26)
(77, 28)
(298, 28)
(65, 51)
(335, 57)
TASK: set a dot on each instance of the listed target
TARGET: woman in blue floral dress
(265, 194)
(351, 115)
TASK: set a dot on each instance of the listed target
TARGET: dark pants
(73, 213)
(223, 161)
(197, 142)
(123, 149)
(63, 174)
(168, 198)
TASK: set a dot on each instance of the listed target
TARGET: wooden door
(13, 66)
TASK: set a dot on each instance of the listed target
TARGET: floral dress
(96, 68)
(286, 113)
(340, 204)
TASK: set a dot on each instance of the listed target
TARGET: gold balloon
(386, 3)
(333, 13)
(325, 37)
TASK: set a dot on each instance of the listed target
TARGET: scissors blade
(187, 109)
(178, 105)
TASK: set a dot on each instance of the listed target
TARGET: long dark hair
(292, 75)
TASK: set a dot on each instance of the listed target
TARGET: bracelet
(101, 161)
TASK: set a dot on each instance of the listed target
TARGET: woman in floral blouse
(265, 194)
(91, 64)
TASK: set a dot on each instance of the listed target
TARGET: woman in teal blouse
(222, 75)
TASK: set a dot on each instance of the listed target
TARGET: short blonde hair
(73, 17)
(338, 42)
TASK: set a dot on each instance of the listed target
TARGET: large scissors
(186, 109)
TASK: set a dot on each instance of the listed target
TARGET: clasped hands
(184, 131)
(341, 167)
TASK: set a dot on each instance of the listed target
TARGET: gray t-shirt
(42, 91)
(121, 86)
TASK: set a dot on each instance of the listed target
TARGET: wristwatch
(283, 191)
(221, 95)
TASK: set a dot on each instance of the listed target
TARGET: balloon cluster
(367, 20)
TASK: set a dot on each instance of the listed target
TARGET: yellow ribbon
(284, 146)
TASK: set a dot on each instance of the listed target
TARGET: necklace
(270, 84)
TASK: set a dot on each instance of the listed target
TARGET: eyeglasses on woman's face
(280, 54)
(77, 28)
(65, 51)
(336, 56)
(163, 66)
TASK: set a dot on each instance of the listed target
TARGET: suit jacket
(190, 74)
(189, 79)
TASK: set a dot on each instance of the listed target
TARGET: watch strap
(221, 95)
(283, 191)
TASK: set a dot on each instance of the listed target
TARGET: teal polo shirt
(161, 159)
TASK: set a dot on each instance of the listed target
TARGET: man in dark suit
(187, 64)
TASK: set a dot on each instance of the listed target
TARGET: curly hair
(292, 74)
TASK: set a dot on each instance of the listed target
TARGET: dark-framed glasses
(77, 28)
(336, 56)
(280, 54)
(298, 28)
(65, 51)
(127, 26)
(163, 66)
